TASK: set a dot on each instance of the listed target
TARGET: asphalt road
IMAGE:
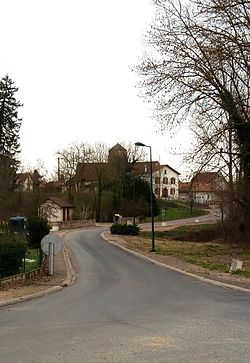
(124, 309)
(207, 218)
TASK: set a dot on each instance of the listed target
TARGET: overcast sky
(72, 62)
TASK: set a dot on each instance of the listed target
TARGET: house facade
(166, 182)
(56, 210)
(28, 181)
(165, 179)
(204, 188)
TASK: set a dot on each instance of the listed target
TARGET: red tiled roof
(205, 181)
(184, 187)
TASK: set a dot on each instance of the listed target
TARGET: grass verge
(31, 260)
(183, 243)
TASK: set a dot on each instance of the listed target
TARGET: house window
(172, 180)
(157, 180)
(157, 192)
(165, 172)
(165, 180)
(164, 193)
(172, 191)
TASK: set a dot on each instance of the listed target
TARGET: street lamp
(151, 195)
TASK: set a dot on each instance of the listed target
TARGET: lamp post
(151, 194)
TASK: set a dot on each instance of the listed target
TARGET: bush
(125, 229)
(12, 251)
(37, 228)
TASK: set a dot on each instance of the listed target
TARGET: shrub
(12, 251)
(125, 229)
(37, 228)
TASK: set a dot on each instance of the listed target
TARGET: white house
(204, 188)
(56, 210)
(165, 178)
(166, 181)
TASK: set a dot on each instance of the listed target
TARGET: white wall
(166, 172)
(52, 211)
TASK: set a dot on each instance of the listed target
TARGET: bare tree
(199, 69)
(99, 158)
(68, 159)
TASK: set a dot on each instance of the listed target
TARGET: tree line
(111, 192)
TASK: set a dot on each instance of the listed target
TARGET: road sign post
(51, 245)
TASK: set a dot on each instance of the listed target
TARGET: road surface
(124, 309)
(207, 218)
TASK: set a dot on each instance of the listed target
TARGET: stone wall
(22, 276)
(74, 224)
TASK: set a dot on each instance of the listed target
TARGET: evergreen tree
(9, 121)
(9, 142)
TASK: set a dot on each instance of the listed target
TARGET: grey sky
(72, 63)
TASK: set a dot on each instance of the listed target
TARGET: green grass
(174, 210)
(193, 233)
(191, 259)
(176, 213)
(213, 255)
(197, 256)
(241, 273)
(204, 255)
(215, 266)
(31, 260)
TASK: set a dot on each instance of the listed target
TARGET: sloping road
(207, 218)
(123, 309)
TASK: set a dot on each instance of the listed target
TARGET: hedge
(12, 251)
(125, 229)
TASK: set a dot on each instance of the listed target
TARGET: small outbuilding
(56, 209)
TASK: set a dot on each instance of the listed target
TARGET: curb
(70, 278)
(31, 296)
(71, 275)
(160, 264)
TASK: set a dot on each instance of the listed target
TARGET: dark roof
(23, 176)
(205, 177)
(62, 203)
(89, 172)
(143, 167)
(184, 187)
(118, 147)
(171, 168)
(35, 177)
(205, 181)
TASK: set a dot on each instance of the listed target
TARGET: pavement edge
(70, 278)
(148, 259)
